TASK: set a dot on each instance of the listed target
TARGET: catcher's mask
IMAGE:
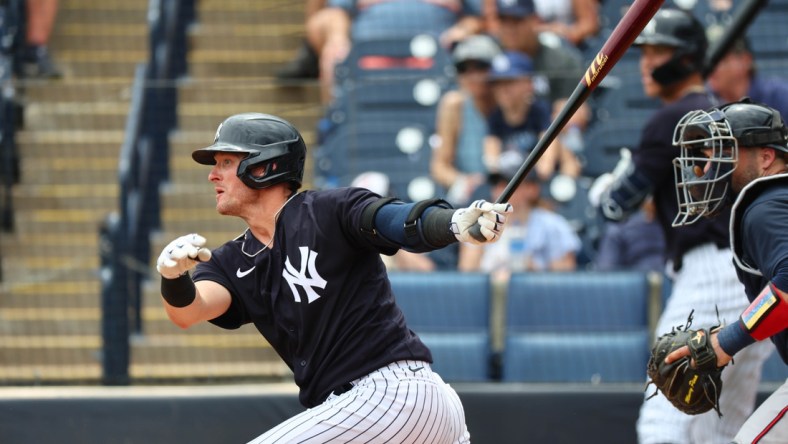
(709, 142)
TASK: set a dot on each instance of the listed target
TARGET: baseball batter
(673, 46)
(741, 151)
(308, 274)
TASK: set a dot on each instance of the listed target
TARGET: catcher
(737, 154)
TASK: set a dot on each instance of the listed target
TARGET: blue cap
(511, 65)
(516, 8)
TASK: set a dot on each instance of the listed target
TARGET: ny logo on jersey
(300, 277)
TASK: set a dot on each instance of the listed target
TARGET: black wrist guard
(436, 227)
(178, 292)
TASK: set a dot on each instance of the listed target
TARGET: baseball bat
(625, 32)
(740, 21)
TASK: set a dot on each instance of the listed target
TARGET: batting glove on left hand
(181, 255)
(481, 222)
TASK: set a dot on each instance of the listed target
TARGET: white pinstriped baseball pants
(706, 279)
(404, 402)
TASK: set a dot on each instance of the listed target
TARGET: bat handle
(476, 233)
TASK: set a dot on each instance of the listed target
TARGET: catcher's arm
(766, 316)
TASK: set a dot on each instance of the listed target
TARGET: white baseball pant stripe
(404, 402)
(706, 280)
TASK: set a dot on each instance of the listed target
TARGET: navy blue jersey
(654, 160)
(320, 295)
(760, 247)
(523, 137)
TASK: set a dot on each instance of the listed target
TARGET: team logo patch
(306, 277)
(766, 300)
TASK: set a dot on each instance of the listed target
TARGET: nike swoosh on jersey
(241, 274)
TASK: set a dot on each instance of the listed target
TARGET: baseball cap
(478, 47)
(511, 65)
(516, 8)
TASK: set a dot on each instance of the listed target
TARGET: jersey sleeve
(764, 224)
(346, 206)
(214, 271)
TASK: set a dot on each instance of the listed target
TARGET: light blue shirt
(544, 238)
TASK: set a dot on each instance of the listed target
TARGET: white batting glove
(605, 181)
(481, 222)
(599, 187)
(181, 255)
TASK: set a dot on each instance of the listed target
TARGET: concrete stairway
(50, 296)
(69, 145)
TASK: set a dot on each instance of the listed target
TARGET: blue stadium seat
(450, 311)
(603, 143)
(395, 56)
(768, 35)
(377, 141)
(577, 327)
(576, 357)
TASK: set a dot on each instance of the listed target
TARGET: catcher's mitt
(693, 389)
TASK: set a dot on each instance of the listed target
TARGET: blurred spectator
(34, 60)
(558, 68)
(570, 142)
(636, 243)
(572, 20)
(520, 118)
(331, 29)
(735, 76)
(305, 63)
(461, 123)
(402, 260)
(535, 239)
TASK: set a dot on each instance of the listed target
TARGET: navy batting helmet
(268, 141)
(680, 30)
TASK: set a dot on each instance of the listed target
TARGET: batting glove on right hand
(181, 255)
(481, 222)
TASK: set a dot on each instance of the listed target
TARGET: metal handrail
(125, 236)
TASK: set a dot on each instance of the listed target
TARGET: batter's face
(652, 57)
(232, 195)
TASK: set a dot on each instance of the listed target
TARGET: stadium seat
(603, 143)
(395, 56)
(450, 311)
(377, 141)
(577, 327)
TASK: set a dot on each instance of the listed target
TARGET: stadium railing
(125, 237)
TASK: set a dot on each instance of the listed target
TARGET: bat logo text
(595, 68)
